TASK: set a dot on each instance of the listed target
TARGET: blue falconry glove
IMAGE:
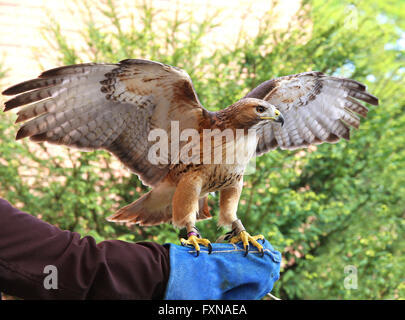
(226, 273)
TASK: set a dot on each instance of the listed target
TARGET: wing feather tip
(377, 101)
(21, 117)
(373, 100)
(365, 96)
(22, 133)
(21, 87)
(333, 138)
(10, 91)
(11, 104)
(6, 108)
(346, 135)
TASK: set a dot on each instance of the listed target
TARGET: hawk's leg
(228, 204)
(185, 208)
(229, 199)
(240, 234)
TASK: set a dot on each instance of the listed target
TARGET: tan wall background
(21, 22)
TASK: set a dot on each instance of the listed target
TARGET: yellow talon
(246, 238)
(195, 242)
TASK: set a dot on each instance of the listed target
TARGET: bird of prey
(117, 106)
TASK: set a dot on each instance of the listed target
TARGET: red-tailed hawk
(118, 106)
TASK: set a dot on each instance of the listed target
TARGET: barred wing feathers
(107, 106)
(316, 108)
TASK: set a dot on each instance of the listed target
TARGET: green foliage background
(338, 206)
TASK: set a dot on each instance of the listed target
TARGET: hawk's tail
(154, 207)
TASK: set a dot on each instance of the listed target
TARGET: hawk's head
(250, 112)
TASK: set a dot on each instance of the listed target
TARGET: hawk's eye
(260, 109)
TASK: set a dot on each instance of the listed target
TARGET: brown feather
(311, 90)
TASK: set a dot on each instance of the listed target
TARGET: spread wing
(316, 109)
(107, 106)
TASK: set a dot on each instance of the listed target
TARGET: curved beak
(280, 119)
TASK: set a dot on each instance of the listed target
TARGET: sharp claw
(245, 238)
(196, 242)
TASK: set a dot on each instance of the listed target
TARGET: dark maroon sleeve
(85, 270)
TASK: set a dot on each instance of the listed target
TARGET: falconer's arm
(40, 261)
